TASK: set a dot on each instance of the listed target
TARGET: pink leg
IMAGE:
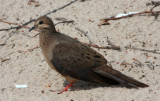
(66, 88)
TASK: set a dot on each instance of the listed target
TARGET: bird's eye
(40, 22)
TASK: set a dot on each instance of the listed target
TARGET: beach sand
(29, 68)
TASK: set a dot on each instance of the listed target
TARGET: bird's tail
(110, 73)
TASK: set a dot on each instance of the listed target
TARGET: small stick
(64, 20)
(70, 21)
(134, 48)
(85, 34)
(3, 60)
(20, 51)
(110, 43)
(2, 44)
(104, 21)
(28, 22)
(10, 35)
(29, 50)
(17, 27)
(103, 47)
(154, 3)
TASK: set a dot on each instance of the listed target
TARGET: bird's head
(43, 23)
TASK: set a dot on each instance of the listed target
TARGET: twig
(36, 35)
(2, 44)
(17, 27)
(64, 20)
(154, 3)
(113, 46)
(36, 3)
(154, 13)
(21, 51)
(85, 34)
(28, 22)
(103, 47)
(10, 35)
(137, 62)
(125, 63)
(81, 0)
(29, 50)
(134, 48)
(150, 65)
(61, 7)
(71, 21)
(3, 60)
(105, 21)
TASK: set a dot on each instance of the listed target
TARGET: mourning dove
(76, 61)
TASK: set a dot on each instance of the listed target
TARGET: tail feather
(109, 72)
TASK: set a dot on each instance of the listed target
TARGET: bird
(76, 61)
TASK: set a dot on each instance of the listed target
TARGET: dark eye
(40, 22)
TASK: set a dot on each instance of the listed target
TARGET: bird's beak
(32, 28)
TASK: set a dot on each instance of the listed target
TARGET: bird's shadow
(82, 85)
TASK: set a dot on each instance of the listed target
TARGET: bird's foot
(66, 88)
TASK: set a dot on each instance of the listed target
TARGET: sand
(30, 68)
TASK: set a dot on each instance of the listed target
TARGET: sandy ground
(30, 68)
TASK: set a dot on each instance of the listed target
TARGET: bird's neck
(47, 36)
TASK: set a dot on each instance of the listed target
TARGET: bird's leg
(67, 87)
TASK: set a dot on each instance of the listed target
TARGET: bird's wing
(82, 62)
(75, 56)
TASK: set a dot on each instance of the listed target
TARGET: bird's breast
(47, 46)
